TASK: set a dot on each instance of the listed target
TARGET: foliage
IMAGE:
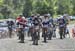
(13, 8)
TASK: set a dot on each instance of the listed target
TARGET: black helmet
(45, 15)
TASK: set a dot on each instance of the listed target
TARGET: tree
(5, 12)
(13, 8)
(73, 5)
(64, 6)
(27, 8)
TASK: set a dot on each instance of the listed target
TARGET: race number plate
(61, 25)
(45, 26)
(37, 27)
(20, 26)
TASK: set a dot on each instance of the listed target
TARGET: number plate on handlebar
(20, 26)
(37, 27)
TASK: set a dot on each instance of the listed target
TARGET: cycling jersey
(35, 21)
(61, 22)
(21, 23)
(45, 22)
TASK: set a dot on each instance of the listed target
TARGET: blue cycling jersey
(45, 22)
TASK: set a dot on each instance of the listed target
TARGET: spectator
(73, 31)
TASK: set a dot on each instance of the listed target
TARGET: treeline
(13, 8)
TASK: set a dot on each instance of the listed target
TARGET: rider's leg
(10, 32)
(33, 41)
(45, 34)
(64, 32)
(34, 38)
(60, 32)
(22, 36)
(42, 32)
(19, 35)
(29, 32)
(54, 33)
(38, 34)
(36, 42)
(50, 35)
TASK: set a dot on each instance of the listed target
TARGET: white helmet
(48, 15)
(23, 17)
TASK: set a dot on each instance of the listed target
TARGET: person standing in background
(73, 32)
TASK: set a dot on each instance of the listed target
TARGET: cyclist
(10, 26)
(45, 23)
(35, 30)
(61, 23)
(21, 25)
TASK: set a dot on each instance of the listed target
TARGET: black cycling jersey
(36, 21)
